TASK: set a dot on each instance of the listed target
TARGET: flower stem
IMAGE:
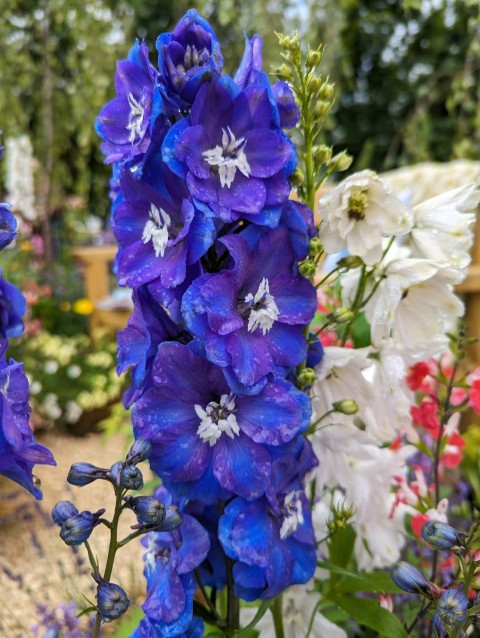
(233, 602)
(278, 617)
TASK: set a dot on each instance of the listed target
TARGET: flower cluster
(210, 244)
(19, 451)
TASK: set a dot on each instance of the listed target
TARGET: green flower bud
(347, 406)
(313, 59)
(284, 72)
(321, 108)
(315, 246)
(313, 84)
(307, 268)
(322, 154)
(297, 178)
(349, 262)
(307, 376)
(340, 315)
(340, 162)
(326, 91)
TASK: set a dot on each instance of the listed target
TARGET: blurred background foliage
(407, 75)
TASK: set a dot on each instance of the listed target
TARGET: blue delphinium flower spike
(452, 607)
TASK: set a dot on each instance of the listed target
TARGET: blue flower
(411, 580)
(252, 317)
(442, 536)
(19, 451)
(63, 510)
(158, 230)
(170, 560)
(187, 58)
(125, 123)
(201, 432)
(137, 344)
(131, 478)
(452, 607)
(76, 529)
(148, 509)
(138, 452)
(12, 309)
(150, 629)
(228, 154)
(8, 226)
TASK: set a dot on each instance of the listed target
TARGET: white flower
(74, 371)
(358, 213)
(415, 306)
(298, 606)
(442, 228)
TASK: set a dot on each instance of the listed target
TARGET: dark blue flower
(76, 529)
(187, 58)
(81, 474)
(148, 509)
(8, 226)
(158, 230)
(452, 607)
(231, 158)
(252, 317)
(12, 309)
(289, 111)
(19, 451)
(138, 452)
(63, 510)
(112, 601)
(125, 123)
(442, 536)
(200, 431)
(170, 560)
(137, 344)
(131, 478)
(151, 629)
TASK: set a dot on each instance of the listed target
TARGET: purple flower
(158, 230)
(252, 317)
(150, 629)
(76, 529)
(63, 510)
(229, 154)
(125, 123)
(201, 432)
(170, 560)
(274, 543)
(19, 451)
(8, 226)
(186, 58)
(137, 344)
(12, 309)
(81, 474)
(289, 111)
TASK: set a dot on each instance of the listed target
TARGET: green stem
(278, 617)
(233, 602)
(357, 302)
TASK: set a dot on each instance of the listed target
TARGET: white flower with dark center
(156, 230)
(216, 419)
(135, 119)
(228, 157)
(358, 213)
(293, 514)
(263, 309)
(442, 228)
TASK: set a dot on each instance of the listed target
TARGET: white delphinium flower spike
(442, 228)
(358, 213)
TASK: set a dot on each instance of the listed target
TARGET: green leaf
(369, 613)
(341, 546)
(376, 582)
(85, 611)
(262, 610)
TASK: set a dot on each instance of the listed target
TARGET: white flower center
(217, 418)
(135, 119)
(193, 58)
(293, 516)
(228, 157)
(264, 310)
(156, 229)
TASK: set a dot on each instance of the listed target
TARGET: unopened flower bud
(315, 246)
(77, 529)
(307, 268)
(63, 510)
(326, 91)
(452, 607)
(115, 472)
(442, 536)
(313, 84)
(340, 162)
(313, 58)
(349, 262)
(148, 509)
(322, 154)
(284, 72)
(347, 406)
(407, 577)
(81, 474)
(297, 178)
(340, 315)
(307, 376)
(172, 520)
(131, 478)
(293, 43)
(439, 630)
(140, 451)
(321, 108)
(112, 601)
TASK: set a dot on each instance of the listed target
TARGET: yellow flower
(83, 307)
